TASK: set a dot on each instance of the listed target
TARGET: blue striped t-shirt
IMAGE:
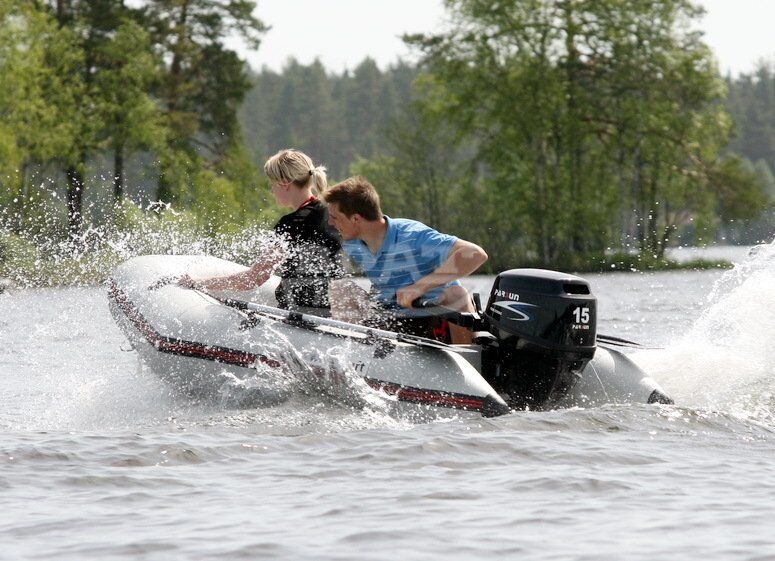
(410, 251)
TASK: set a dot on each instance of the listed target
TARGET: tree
(582, 110)
(93, 24)
(132, 119)
(422, 168)
(204, 82)
(39, 94)
(334, 118)
(741, 190)
(751, 103)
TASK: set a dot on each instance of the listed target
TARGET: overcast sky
(341, 33)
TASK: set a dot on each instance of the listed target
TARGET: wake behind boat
(537, 350)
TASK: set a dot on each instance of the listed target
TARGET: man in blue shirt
(403, 259)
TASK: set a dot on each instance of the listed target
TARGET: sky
(341, 33)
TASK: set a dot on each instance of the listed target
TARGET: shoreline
(8, 285)
(30, 271)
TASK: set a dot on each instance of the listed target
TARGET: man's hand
(405, 296)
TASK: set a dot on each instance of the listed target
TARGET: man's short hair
(355, 196)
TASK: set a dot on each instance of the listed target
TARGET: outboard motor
(544, 324)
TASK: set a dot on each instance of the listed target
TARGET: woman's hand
(187, 282)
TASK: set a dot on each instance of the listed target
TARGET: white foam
(730, 350)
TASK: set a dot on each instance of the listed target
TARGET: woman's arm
(254, 277)
(464, 258)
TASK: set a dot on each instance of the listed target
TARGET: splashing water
(334, 376)
(727, 358)
(264, 388)
(30, 259)
(321, 373)
(42, 260)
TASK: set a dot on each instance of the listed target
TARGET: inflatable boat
(535, 343)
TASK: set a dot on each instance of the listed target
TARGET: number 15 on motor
(581, 315)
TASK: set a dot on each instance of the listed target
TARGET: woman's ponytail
(318, 179)
(292, 166)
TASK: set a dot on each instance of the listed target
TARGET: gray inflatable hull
(198, 344)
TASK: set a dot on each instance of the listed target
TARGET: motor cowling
(545, 323)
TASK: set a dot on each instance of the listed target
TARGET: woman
(306, 256)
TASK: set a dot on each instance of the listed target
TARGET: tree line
(751, 104)
(572, 128)
(336, 118)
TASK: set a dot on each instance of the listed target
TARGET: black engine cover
(544, 311)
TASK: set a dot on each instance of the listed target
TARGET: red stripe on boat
(430, 397)
(240, 358)
(181, 347)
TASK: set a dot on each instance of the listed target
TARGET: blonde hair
(292, 166)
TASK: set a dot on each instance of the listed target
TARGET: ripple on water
(106, 461)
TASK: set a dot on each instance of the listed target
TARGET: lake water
(101, 460)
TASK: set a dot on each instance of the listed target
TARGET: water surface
(101, 460)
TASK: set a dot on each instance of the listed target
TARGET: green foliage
(255, 203)
(38, 93)
(544, 130)
(10, 161)
(204, 82)
(741, 190)
(31, 259)
(766, 177)
(422, 175)
(595, 122)
(217, 202)
(83, 80)
(16, 255)
(129, 70)
(751, 103)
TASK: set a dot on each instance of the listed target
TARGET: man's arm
(464, 258)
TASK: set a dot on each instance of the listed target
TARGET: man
(403, 259)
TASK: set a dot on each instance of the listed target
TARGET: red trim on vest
(311, 199)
